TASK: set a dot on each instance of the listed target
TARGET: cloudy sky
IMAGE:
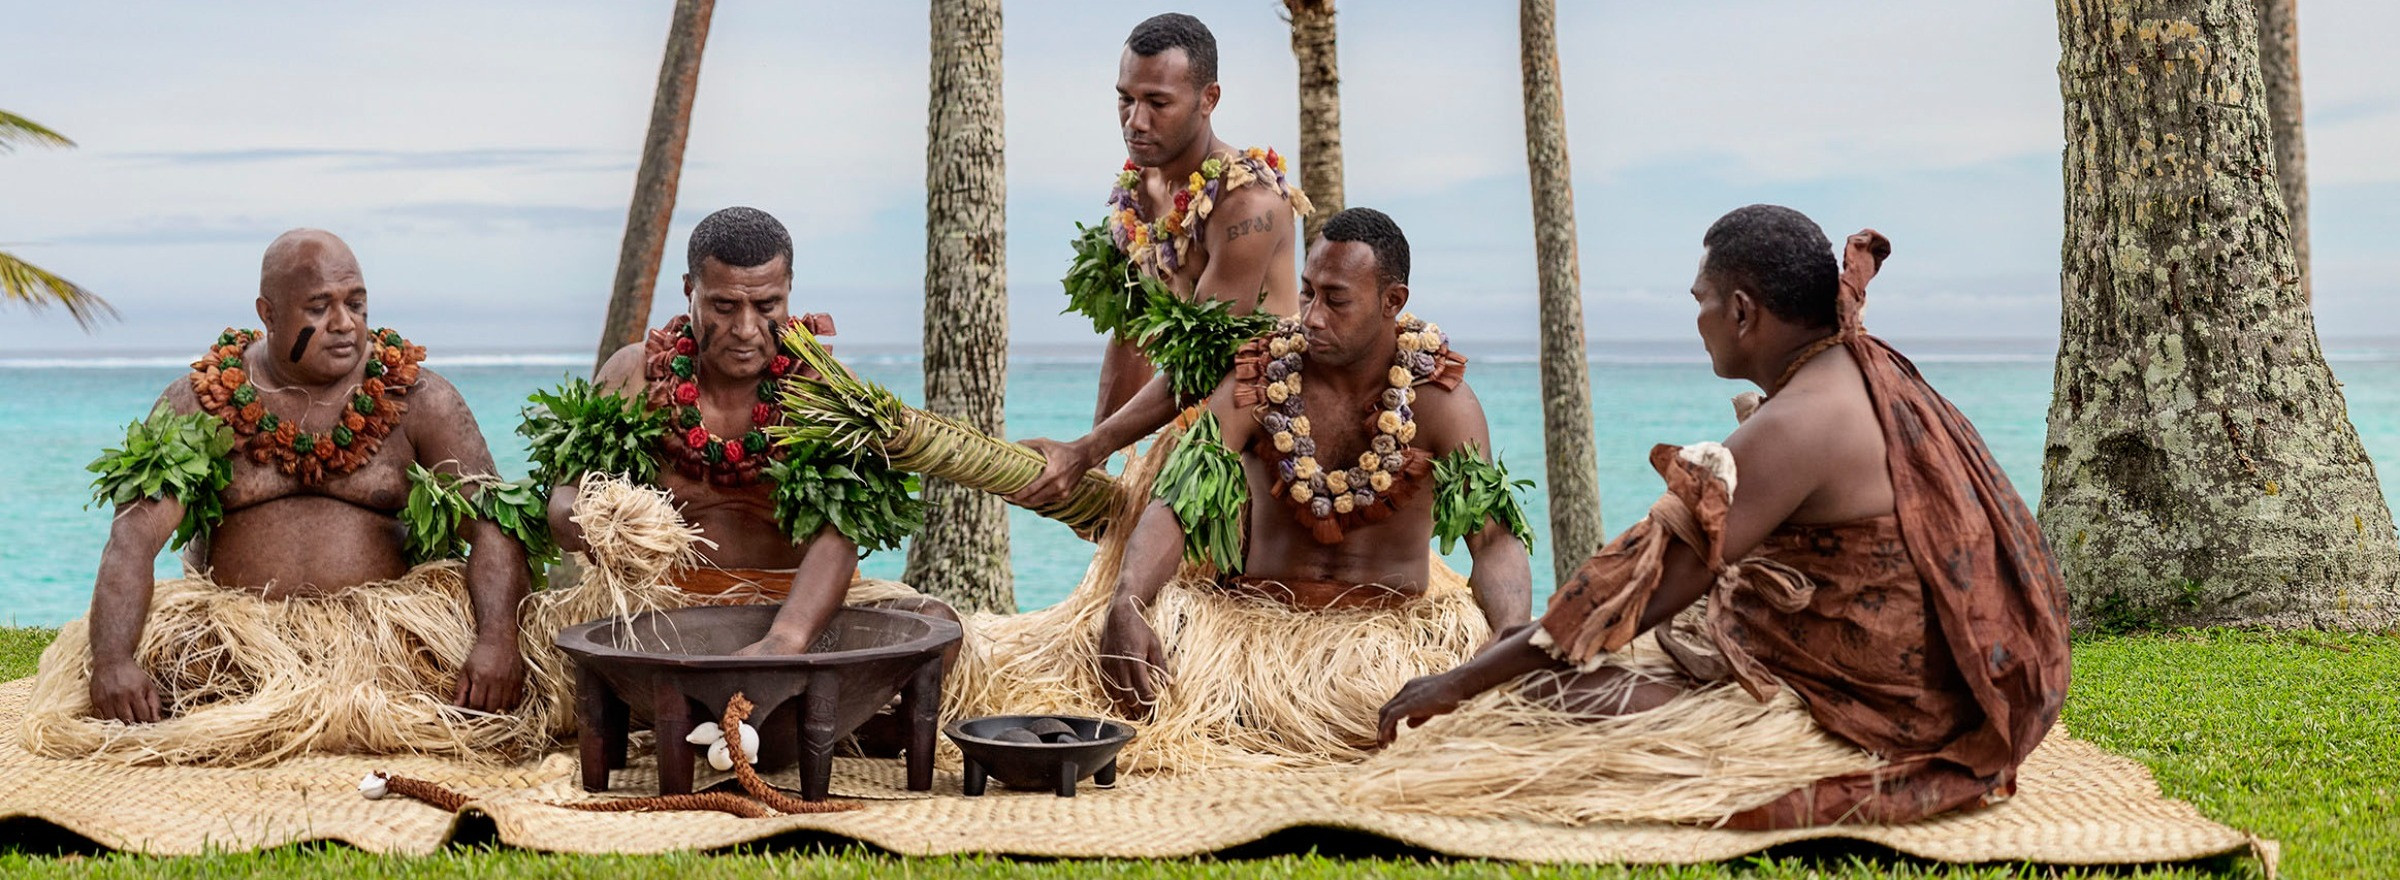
(478, 155)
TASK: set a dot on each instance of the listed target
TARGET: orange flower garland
(221, 381)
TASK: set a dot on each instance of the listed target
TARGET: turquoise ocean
(57, 414)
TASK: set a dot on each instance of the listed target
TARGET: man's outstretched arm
(1772, 454)
(1250, 228)
(818, 588)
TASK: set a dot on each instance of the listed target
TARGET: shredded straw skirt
(1516, 752)
(1252, 683)
(245, 681)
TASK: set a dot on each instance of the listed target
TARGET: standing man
(1207, 221)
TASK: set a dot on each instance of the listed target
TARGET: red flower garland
(694, 451)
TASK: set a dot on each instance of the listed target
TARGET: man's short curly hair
(1781, 257)
(739, 237)
(1175, 30)
(1377, 230)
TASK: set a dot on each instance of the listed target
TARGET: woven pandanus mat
(2076, 804)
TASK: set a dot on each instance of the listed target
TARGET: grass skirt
(1253, 683)
(1709, 752)
(246, 681)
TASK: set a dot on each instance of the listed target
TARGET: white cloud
(474, 148)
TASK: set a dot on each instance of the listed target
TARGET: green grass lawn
(2293, 736)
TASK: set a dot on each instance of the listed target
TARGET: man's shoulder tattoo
(1264, 221)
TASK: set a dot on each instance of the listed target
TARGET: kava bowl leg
(921, 705)
(976, 779)
(1067, 774)
(816, 736)
(673, 714)
(596, 741)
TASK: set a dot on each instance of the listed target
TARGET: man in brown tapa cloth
(1875, 561)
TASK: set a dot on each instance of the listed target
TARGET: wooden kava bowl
(670, 670)
(1011, 748)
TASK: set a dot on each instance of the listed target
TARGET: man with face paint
(1211, 221)
(327, 417)
(1329, 597)
(1874, 563)
(713, 370)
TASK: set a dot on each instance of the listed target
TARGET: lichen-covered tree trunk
(2279, 64)
(1572, 472)
(1320, 110)
(654, 184)
(962, 555)
(2201, 464)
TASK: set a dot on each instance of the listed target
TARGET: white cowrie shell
(750, 742)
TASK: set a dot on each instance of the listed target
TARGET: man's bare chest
(381, 484)
(699, 496)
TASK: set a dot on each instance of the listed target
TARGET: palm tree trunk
(1320, 110)
(2201, 464)
(2279, 63)
(962, 554)
(1572, 474)
(654, 185)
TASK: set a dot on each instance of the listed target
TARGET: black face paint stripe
(300, 345)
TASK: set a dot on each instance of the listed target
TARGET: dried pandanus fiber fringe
(635, 542)
(837, 408)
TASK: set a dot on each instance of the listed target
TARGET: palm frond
(835, 407)
(39, 289)
(16, 130)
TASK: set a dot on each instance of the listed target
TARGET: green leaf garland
(186, 457)
(1203, 483)
(1193, 343)
(438, 508)
(433, 515)
(1469, 491)
(582, 428)
(873, 505)
(1101, 283)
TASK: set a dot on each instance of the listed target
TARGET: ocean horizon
(1965, 349)
(58, 410)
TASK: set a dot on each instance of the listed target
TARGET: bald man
(327, 415)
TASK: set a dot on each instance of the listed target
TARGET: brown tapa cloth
(735, 586)
(1951, 669)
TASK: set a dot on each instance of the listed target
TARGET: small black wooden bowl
(1038, 765)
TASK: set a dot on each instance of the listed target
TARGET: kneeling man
(1883, 635)
(784, 523)
(317, 614)
(1283, 579)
